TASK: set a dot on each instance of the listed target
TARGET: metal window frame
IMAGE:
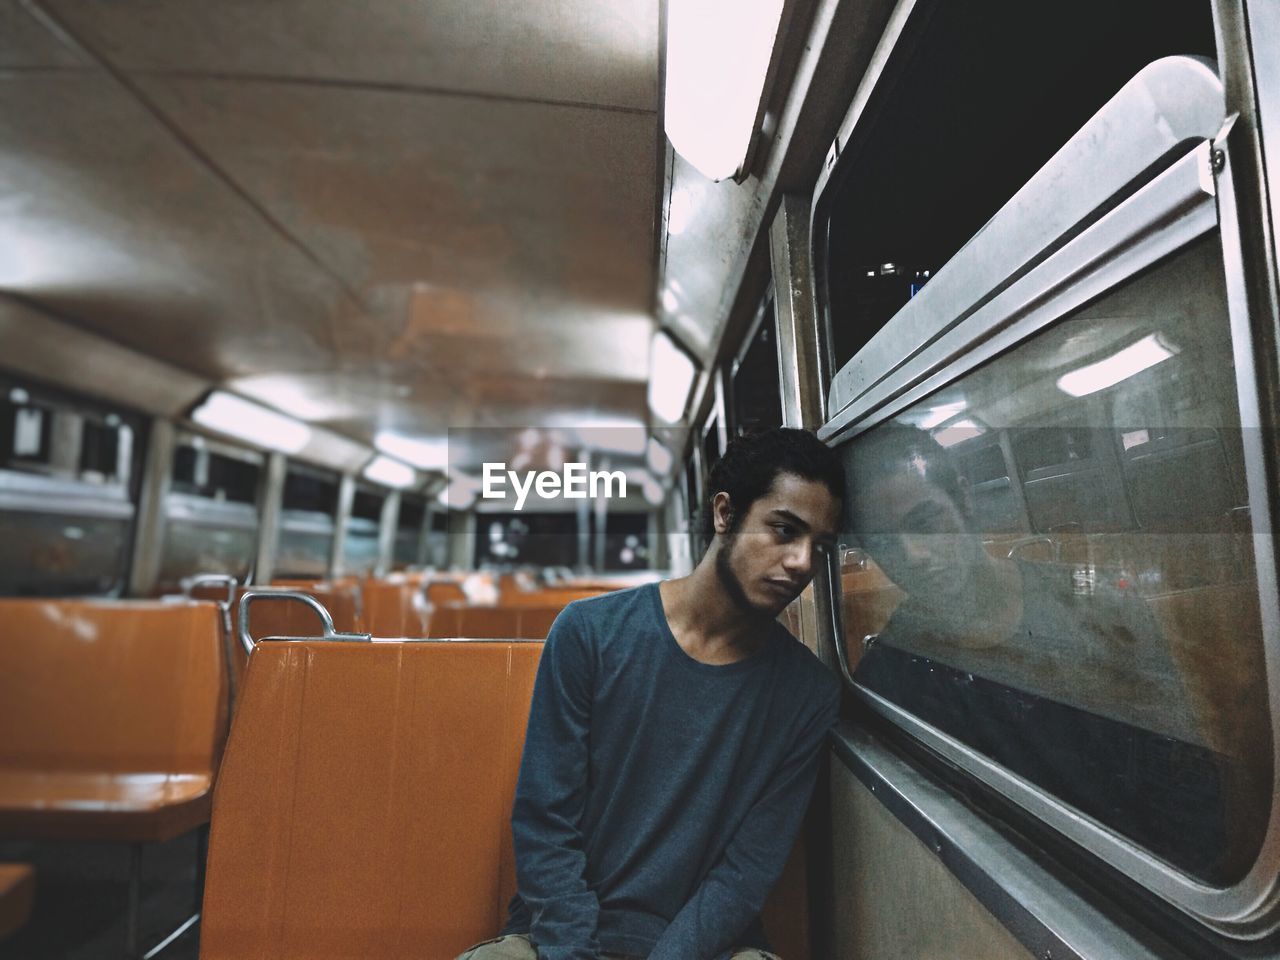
(1179, 205)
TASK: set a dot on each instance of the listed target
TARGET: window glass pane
(211, 544)
(626, 541)
(1054, 556)
(538, 539)
(207, 473)
(303, 551)
(910, 190)
(755, 387)
(62, 554)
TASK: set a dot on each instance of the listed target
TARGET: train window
(710, 452)
(1097, 633)
(755, 387)
(438, 542)
(211, 515)
(105, 451)
(309, 502)
(626, 541)
(408, 531)
(910, 189)
(66, 510)
(201, 471)
(538, 539)
(361, 548)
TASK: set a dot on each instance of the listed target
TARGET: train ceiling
(397, 216)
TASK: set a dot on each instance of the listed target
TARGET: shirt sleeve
(733, 892)
(550, 796)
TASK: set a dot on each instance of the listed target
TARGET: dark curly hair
(752, 462)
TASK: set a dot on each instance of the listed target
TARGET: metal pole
(148, 531)
(338, 554)
(271, 500)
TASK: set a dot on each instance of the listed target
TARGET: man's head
(911, 514)
(775, 505)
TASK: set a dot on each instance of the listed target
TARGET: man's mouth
(783, 588)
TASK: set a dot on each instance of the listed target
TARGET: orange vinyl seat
(363, 806)
(492, 623)
(115, 715)
(395, 607)
(17, 893)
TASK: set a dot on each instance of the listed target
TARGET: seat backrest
(394, 607)
(363, 806)
(112, 686)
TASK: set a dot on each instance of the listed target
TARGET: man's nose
(917, 549)
(798, 560)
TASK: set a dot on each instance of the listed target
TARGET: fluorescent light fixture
(718, 54)
(458, 496)
(941, 414)
(1132, 360)
(653, 492)
(247, 421)
(671, 374)
(658, 457)
(958, 432)
(424, 453)
(392, 473)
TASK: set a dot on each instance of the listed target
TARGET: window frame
(1180, 203)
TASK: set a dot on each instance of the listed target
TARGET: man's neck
(705, 621)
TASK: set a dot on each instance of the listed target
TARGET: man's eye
(784, 529)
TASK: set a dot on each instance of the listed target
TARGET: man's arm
(546, 821)
(734, 891)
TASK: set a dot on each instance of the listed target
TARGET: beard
(733, 586)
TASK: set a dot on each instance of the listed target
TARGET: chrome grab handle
(1018, 546)
(326, 621)
(189, 585)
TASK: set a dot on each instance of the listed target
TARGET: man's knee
(514, 946)
(754, 955)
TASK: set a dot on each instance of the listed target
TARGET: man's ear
(721, 512)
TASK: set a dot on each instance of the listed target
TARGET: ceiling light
(423, 453)
(391, 473)
(229, 414)
(1132, 360)
(671, 374)
(940, 414)
(718, 55)
(658, 457)
(959, 432)
(458, 496)
(653, 492)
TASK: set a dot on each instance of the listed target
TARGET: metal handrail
(326, 621)
(1019, 545)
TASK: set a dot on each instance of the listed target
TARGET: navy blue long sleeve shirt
(659, 796)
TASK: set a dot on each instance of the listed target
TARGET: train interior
(310, 311)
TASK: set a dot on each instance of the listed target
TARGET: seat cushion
(123, 807)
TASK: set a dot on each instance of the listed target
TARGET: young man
(675, 735)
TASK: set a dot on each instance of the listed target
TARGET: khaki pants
(516, 946)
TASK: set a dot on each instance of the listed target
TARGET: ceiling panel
(106, 221)
(581, 51)
(395, 188)
(25, 43)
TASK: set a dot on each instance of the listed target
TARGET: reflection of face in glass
(917, 533)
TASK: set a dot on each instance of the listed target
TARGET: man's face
(917, 534)
(774, 551)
